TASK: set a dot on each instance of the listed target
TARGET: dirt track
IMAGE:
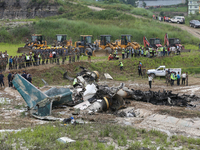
(194, 32)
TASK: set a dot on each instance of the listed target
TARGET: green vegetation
(76, 19)
(100, 23)
(169, 9)
(142, 12)
(189, 62)
(43, 136)
(11, 48)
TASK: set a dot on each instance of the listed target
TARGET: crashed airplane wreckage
(39, 103)
(88, 95)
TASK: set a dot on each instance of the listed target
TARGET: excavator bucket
(103, 52)
(23, 50)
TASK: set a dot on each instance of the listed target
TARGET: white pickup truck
(161, 71)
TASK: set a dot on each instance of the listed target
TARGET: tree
(144, 4)
(186, 2)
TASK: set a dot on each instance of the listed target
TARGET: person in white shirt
(150, 78)
(183, 78)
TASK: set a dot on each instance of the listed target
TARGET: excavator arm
(166, 41)
(134, 45)
(146, 42)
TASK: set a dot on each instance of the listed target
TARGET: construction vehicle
(104, 46)
(125, 42)
(172, 42)
(37, 41)
(61, 40)
(154, 42)
(85, 45)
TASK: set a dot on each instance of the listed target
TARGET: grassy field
(94, 136)
(11, 48)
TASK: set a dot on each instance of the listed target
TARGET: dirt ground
(14, 115)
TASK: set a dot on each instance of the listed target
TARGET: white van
(177, 19)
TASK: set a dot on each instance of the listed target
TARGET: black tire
(76, 50)
(178, 22)
(88, 50)
(65, 76)
(108, 51)
(190, 25)
(194, 26)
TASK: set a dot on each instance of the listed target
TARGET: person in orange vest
(51, 57)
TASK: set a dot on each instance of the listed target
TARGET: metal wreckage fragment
(90, 96)
(158, 98)
(41, 103)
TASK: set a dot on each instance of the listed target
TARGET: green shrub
(5, 36)
(61, 10)
(142, 12)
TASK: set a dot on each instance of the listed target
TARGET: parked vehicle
(162, 71)
(177, 19)
(195, 23)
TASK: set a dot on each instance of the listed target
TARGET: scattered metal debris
(107, 76)
(157, 98)
(91, 97)
(83, 105)
(65, 140)
(45, 83)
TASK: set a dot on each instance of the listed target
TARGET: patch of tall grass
(137, 28)
(142, 12)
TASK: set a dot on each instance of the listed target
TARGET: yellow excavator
(37, 41)
(125, 42)
(104, 46)
(61, 40)
(85, 45)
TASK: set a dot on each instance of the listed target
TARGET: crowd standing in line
(52, 55)
(38, 57)
(148, 52)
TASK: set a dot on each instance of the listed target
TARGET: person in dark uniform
(89, 56)
(1, 79)
(29, 79)
(9, 79)
(140, 69)
(70, 59)
(24, 75)
(78, 57)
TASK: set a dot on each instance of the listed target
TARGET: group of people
(39, 57)
(11, 76)
(148, 52)
(172, 77)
